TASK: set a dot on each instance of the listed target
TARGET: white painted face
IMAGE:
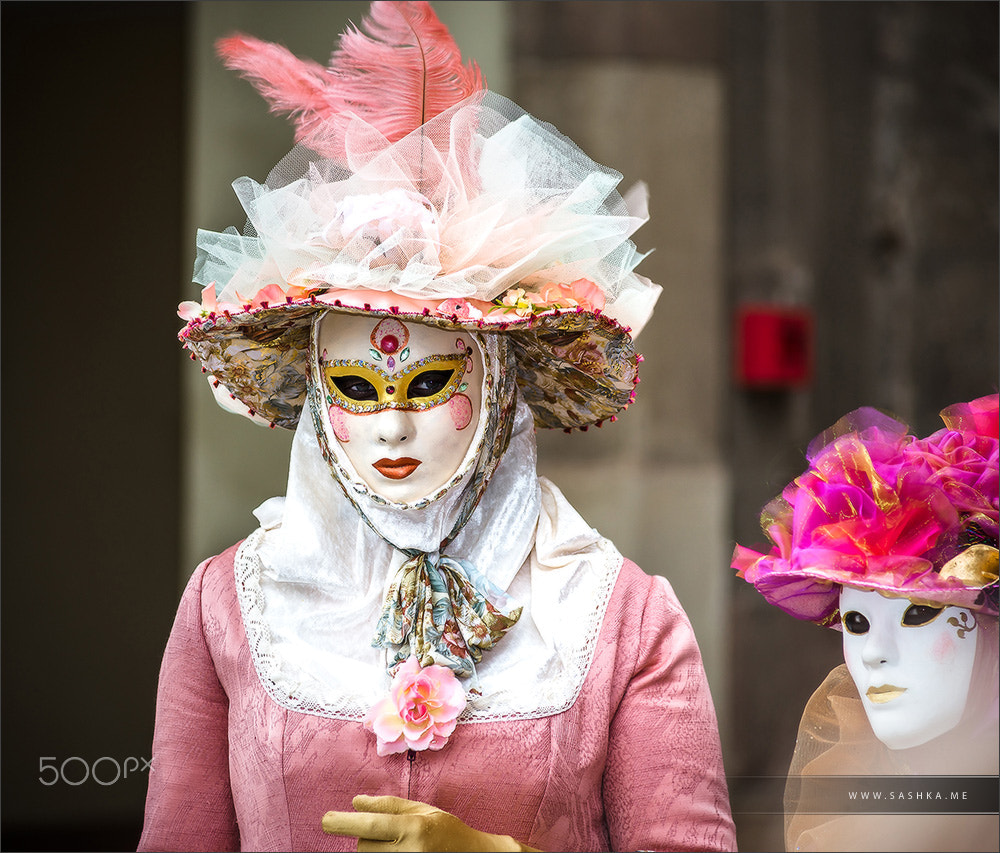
(403, 400)
(912, 664)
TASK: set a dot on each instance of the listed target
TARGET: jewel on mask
(390, 336)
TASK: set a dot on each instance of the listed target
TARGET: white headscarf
(312, 579)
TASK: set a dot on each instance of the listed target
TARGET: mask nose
(881, 647)
(394, 427)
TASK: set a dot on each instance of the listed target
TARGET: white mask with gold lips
(912, 664)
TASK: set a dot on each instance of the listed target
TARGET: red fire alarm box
(773, 347)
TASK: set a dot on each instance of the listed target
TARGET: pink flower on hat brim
(582, 292)
(463, 309)
(421, 710)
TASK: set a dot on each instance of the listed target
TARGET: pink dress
(634, 764)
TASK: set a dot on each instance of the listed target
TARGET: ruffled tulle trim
(482, 212)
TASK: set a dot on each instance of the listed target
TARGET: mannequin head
(912, 664)
(402, 399)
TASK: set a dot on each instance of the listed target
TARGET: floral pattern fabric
(262, 363)
(444, 612)
(573, 372)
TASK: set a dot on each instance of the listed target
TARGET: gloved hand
(392, 823)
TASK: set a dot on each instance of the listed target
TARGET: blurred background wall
(834, 160)
(93, 152)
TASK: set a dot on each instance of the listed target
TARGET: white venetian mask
(912, 664)
(402, 400)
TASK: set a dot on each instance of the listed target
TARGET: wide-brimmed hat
(879, 509)
(463, 213)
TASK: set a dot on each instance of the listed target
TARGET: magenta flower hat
(415, 192)
(879, 509)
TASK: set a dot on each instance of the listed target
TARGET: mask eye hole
(355, 388)
(427, 383)
(855, 623)
(920, 614)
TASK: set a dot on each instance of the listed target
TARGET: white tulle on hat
(481, 200)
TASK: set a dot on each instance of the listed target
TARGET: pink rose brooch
(420, 711)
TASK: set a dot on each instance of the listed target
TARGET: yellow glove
(392, 823)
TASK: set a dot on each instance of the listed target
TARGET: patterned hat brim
(575, 368)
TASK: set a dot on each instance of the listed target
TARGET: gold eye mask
(363, 389)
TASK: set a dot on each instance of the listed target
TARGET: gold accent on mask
(962, 624)
(975, 566)
(393, 391)
(885, 693)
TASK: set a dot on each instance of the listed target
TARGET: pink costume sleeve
(664, 783)
(189, 805)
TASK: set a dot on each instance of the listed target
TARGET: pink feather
(400, 69)
(296, 86)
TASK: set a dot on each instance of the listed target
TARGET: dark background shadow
(92, 169)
